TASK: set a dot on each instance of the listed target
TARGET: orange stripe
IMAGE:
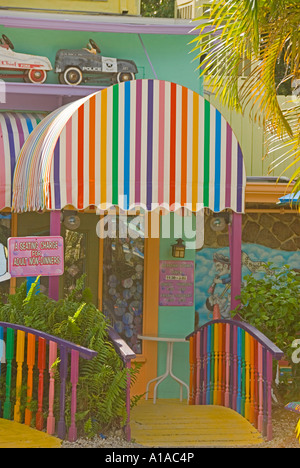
(103, 145)
(184, 146)
(195, 150)
(92, 151)
(173, 144)
(80, 156)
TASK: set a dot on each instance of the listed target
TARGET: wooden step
(171, 423)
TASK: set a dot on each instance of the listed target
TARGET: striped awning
(14, 130)
(144, 143)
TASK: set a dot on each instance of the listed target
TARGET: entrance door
(129, 265)
(123, 278)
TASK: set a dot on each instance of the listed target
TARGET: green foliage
(271, 304)
(261, 39)
(101, 391)
(158, 8)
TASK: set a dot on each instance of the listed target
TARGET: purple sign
(36, 256)
(176, 283)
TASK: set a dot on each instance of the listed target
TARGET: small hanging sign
(36, 256)
(176, 283)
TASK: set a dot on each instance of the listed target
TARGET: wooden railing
(126, 354)
(231, 365)
(19, 344)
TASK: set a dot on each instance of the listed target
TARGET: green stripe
(212, 365)
(115, 145)
(9, 357)
(206, 152)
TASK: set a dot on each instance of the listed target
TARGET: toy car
(82, 65)
(32, 67)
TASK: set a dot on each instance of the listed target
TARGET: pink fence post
(74, 381)
(52, 358)
(63, 371)
(269, 395)
(227, 370)
(198, 367)
(204, 366)
(260, 389)
(41, 366)
(192, 370)
(235, 368)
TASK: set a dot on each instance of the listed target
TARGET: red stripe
(92, 151)
(173, 144)
(184, 146)
(80, 156)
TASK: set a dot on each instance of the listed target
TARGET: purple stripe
(228, 165)
(239, 204)
(149, 144)
(56, 176)
(20, 131)
(11, 148)
(138, 141)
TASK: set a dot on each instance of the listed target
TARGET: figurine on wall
(87, 64)
(32, 68)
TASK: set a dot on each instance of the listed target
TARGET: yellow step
(171, 423)
(15, 435)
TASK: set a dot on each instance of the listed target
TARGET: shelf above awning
(41, 97)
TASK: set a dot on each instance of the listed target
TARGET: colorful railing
(231, 364)
(19, 344)
(126, 354)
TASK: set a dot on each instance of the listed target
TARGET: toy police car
(82, 65)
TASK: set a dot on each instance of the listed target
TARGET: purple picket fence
(231, 365)
(40, 349)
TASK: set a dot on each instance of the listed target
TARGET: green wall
(176, 322)
(169, 54)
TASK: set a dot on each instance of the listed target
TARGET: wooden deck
(171, 423)
(15, 435)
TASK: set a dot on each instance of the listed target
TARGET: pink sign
(176, 283)
(36, 256)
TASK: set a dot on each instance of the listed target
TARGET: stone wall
(273, 230)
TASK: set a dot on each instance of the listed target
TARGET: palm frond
(263, 31)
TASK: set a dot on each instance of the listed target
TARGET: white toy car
(33, 68)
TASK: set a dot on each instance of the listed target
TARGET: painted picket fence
(231, 365)
(19, 344)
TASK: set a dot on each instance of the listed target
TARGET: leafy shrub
(101, 391)
(271, 304)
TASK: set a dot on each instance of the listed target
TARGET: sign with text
(176, 283)
(36, 256)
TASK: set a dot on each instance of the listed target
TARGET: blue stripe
(127, 145)
(28, 123)
(217, 162)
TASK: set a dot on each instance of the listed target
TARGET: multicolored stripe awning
(14, 130)
(144, 143)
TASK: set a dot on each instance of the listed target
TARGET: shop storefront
(128, 173)
(122, 174)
